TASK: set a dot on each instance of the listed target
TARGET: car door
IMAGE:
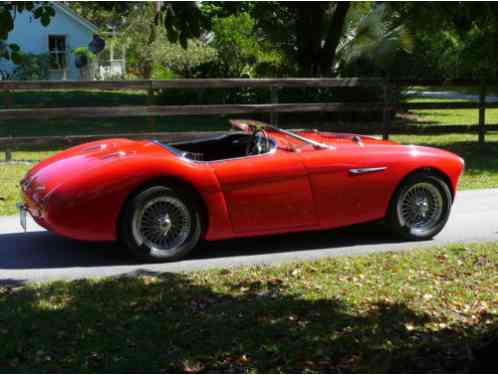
(349, 185)
(266, 193)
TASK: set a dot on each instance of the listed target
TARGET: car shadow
(42, 249)
(45, 250)
(365, 234)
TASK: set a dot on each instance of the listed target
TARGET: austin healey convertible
(160, 199)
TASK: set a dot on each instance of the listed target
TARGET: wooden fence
(387, 105)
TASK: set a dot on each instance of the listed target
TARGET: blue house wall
(33, 37)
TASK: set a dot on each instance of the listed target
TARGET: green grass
(445, 116)
(481, 162)
(420, 311)
(481, 170)
(10, 175)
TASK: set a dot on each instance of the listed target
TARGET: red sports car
(160, 200)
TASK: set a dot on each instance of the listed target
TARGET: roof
(71, 13)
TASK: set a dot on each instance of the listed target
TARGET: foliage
(184, 62)
(319, 39)
(240, 52)
(104, 14)
(420, 311)
(32, 67)
(84, 51)
(453, 42)
(308, 34)
(374, 38)
(161, 72)
(42, 11)
(180, 21)
(149, 50)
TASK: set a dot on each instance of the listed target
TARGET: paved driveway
(39, 255)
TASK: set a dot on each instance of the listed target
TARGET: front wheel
(421, 207)
(160, 224)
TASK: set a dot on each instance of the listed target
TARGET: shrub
(31, 67)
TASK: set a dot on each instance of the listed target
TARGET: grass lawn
(447, 117)
(444, 116)
(420, 311)
(481, 163)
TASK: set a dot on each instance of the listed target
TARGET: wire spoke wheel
(163, 224)
(421, 207)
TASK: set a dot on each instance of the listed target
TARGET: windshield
(252, 125)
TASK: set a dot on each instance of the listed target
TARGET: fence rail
(190, 84)
(151, 111)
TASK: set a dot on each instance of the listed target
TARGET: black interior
(224, 147)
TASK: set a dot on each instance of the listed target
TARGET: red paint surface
(79, 193)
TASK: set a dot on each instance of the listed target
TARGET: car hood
(54, 171)
(372, 143)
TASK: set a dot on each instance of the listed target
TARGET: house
(67, 30)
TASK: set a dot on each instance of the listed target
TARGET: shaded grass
(422, 311)
(76, 98)
(34, 128)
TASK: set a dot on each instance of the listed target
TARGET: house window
(57, 51)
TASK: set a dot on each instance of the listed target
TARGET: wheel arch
(429, 170)
(172, 181)
(434, 171)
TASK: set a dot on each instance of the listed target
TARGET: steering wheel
(259, 143)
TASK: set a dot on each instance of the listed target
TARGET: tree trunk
(495, 14)
(334, 36)
(148, 64)
(316, 39)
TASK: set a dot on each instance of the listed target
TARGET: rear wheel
(421, 207)
(161, 224)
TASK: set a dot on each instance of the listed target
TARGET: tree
(307, 32)
(149, 48)
(143, 24)
(240, 52)
(469, 30)
(375, 38)
(182, 20)
(184, 62)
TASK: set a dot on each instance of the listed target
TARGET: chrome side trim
(358, 171)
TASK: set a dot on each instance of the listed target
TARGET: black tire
(437, 191)
(141, 243)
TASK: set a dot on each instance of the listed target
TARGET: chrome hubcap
(162, 224)
(420, 207)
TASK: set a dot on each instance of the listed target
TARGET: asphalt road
(41, 256)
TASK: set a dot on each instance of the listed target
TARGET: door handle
(358, 171)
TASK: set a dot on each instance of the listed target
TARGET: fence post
(7, 103)
(482, 112)
(387, 110)
(274, 100)
(150, 101)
